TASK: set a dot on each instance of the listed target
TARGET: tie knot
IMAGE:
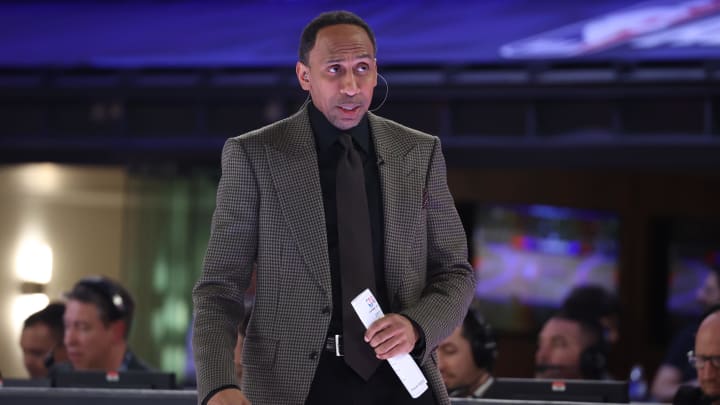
(346, 141)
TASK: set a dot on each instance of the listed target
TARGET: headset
(119, 303)
(482, 339)
(593, 359)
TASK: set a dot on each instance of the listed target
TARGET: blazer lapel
(293, 165)
(402, 186)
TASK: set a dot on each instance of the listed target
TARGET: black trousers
(336, 383)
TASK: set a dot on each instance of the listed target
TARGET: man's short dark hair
(591, 302)
(309, 34)
(52, 317)
(591, 329)
(111, 299)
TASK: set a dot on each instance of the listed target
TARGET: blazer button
(313, 356)
(326, 309)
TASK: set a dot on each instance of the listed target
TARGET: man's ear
(118, 329)
(303, 75)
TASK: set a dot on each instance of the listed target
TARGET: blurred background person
(596, 304)
(674, 369)
(706, 360)
(571, 348)
(467, 356)
(98, 316)
(41, 340)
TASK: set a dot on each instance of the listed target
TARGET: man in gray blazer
(276, 210)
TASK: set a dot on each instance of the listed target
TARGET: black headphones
(482, 340)
(593, 359)
(118, 300)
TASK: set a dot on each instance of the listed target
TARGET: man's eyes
(448, 350)
(558, 343)
(360, 68)
(78, 326)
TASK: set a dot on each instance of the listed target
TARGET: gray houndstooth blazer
(270, 212)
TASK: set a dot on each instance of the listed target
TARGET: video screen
(527, 258)
(693, 248)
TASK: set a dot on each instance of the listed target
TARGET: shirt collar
(326, 134)
(127, 359)
(480, 391)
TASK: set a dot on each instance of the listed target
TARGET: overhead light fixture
(33, 262)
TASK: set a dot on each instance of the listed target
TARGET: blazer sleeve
(450, 277)
(218, 295)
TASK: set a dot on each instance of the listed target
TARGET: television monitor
(693, 247)
(688, 249)
(689, 267)
(559, 390)
(25, 382)
(124, 379)
(527, 258)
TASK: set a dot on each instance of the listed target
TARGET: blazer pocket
(259, 352)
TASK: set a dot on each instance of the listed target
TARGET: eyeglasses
(700, 361)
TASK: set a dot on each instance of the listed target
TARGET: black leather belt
(334, 344)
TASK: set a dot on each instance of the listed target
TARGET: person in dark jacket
(706, 360)
(98, 315)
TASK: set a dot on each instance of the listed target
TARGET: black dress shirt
(328, 151)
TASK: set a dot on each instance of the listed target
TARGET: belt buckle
(337, 346)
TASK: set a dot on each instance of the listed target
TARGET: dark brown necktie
(356, 257)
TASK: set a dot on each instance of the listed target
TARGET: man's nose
(441, 362)
(349, 84)
(69, 337)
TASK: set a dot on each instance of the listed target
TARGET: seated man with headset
(98, 315)
(466, 358)
(571, 348)
(41, 340)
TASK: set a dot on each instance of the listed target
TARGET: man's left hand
(392, 335)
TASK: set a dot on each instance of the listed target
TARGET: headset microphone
(49, 359)
(387, 91)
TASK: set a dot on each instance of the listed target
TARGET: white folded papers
(368, 309)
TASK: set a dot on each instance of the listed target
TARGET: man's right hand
(229, 396)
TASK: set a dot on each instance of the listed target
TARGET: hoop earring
(387, 91)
